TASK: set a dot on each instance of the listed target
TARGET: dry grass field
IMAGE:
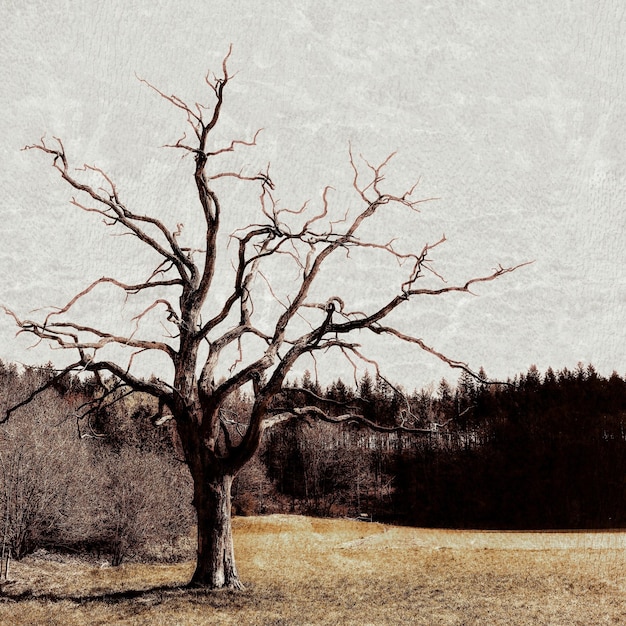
(302, 571)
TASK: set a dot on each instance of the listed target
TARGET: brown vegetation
(108, 487)
(307, 571)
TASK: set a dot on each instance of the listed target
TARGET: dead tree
(201, 335)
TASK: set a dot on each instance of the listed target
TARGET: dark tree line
(538, 452)
(541, 452)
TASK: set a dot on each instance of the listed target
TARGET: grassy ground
(306, 571)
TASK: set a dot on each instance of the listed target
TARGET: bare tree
(204, 335)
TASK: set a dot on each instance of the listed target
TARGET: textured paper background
(513, 114)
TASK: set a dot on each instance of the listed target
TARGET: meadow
(301, 570)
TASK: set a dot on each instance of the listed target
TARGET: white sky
(513, 114)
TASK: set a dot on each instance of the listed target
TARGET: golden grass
(302, 571)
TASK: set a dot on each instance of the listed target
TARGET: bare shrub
(63, 486)
(314, 468)
(41, 459)
(140, 505)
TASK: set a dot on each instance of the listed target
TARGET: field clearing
(301, 570)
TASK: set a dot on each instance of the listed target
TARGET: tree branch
(384, 311)
(116, 211)
(349, 418)
(39, 390)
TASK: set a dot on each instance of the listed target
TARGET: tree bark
(215, 567)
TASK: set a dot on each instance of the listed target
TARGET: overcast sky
(512, 114)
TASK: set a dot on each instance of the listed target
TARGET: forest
(104, 475)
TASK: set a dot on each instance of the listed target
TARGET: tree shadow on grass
(220, 598)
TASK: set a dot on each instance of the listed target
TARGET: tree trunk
(215, 567)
